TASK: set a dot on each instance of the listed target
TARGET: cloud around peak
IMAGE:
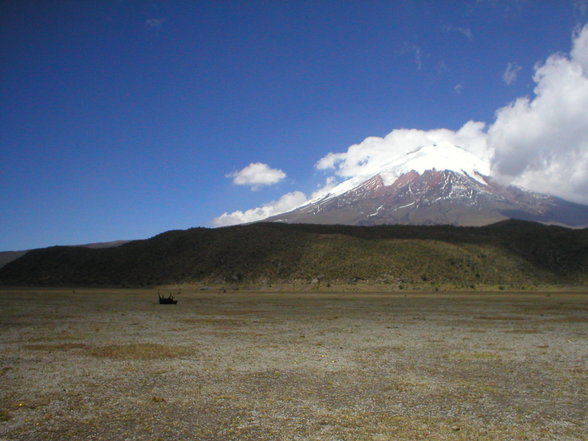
(538, 142)
(257, 175)
(287, 202)
(374, 154)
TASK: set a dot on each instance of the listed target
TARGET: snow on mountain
(435, 184)
(441, 156)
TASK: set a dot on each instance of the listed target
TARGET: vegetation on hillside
(507, 253)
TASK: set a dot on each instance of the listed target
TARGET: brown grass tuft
(56, 347)
(500, 317)
(568, 320)
(523, 331)
(474, 356)
(4, 416)
(216, 321)
(140, 351)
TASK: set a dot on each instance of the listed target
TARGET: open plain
(115, 365)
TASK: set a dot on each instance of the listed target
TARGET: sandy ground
(115, 365)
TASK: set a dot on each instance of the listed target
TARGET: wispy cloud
(154, 24)
(441, 67)
(509, 8)
(466, 32)
(581, 6)
(511, 73)
(458, 88)
(256, 175)
(408, 48)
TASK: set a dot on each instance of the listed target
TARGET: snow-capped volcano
(444, 156)
(441, 156)
(434, 184)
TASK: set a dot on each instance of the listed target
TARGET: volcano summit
(434, 184)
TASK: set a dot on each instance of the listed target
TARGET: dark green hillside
(510, 252)
(8, 256)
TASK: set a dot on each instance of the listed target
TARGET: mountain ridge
(8, 256)
(513, 253)
(436, 197)
(435, 184)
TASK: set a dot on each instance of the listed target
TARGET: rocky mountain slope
(438, 184)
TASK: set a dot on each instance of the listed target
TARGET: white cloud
(458, 88)
(286, 203)
(511, 73)
(256, 175)
(330, 183)
(580, 48)
(541, 142)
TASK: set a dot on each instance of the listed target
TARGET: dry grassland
(115, 365)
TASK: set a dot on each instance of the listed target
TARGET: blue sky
(124, 119)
